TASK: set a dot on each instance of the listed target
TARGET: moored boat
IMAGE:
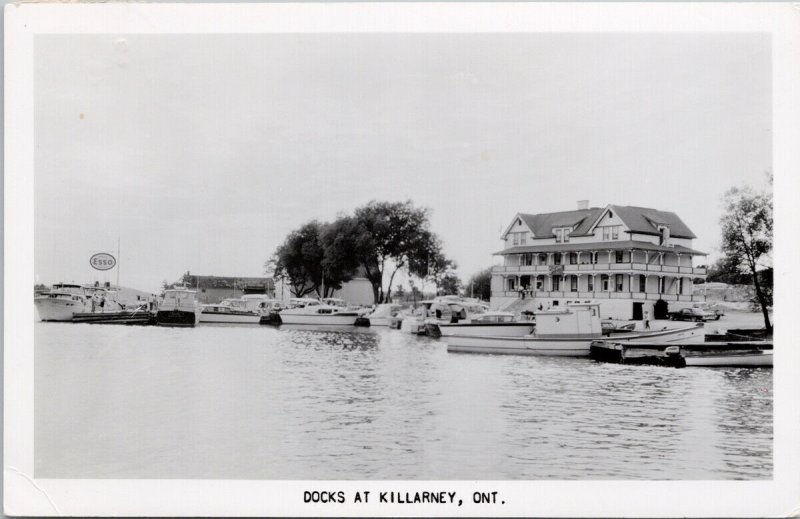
(383, 314)
(178, 308)
(489, 324)
(316, 313)
(229, 311)
(707, 354)
(60, 302)
(567, 332)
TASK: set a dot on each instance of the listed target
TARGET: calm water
(250, 402)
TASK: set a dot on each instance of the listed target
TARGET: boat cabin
(574, 319)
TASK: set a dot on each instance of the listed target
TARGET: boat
(566, 332)
(316, 313)
(490, 323)
(178, 308)
(441, 309)
(383, 314)
(60, 302)
(708, 354)
(229, 311)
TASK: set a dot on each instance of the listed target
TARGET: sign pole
(118, 258)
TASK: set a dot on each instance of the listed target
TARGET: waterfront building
(624, 257)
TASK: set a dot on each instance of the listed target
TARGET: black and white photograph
(400, 263)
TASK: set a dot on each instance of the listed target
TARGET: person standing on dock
(646, 319)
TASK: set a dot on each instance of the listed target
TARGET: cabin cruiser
(433, 310)
(315, 312)
(229, 311)
(489, 323)
(178, 308)
(567, 332)
(60, 302)
(384, 314)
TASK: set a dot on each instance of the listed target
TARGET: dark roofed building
(625, 257)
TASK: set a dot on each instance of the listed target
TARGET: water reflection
(307, 403)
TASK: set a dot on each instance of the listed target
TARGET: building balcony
(589, 268)
(640, 296)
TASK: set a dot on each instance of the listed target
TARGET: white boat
(178, 308)
(754, 358)
(315, 313)
(384, 314)
(232, 311)
(567, 332)
(60, 302)
(433, 311)
(489, 324)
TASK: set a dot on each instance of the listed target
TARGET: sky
(201, 152)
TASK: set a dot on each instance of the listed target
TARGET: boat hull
(120, 317)
(564, 346)
(487, 329)
(732, 359)
(177, 318)
(343, 319)
(56, 310)
(229, 318)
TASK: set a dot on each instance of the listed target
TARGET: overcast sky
(202, 152)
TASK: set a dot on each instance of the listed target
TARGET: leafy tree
(747, 239)
(400, 292)
(392, 236)
(298, 260)
(342, 242)
(480, 284)
(449, 284)
(726, 270)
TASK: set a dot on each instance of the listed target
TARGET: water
(255, 402)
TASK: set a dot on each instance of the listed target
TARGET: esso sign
(102, 261)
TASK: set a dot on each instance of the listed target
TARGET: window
(511, 283)
(573, 284)
(680, 285)
(526, 259)
(557, 258)
(591, 283)
(618, 256)
(566, 235)
(573, 258)
(559, 235)
(594, 257)
(618, 283)
(604, 282)
(642, 283)
(523, 238)
(515, 238)
(615, 232)
(539, 282)
(606, 233)
(556, 283)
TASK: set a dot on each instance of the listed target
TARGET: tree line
(379, 240)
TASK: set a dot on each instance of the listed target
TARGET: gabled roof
(641, 220)
(543, 224)
(644, 220)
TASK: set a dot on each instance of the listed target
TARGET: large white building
(624, 257)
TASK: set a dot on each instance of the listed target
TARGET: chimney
(583, 204)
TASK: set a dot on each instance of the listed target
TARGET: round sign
(102, 261)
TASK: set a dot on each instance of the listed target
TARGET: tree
(298, 260)
(480, 284)
(392, 236)
(400, 292)
(747, 239)
(726, 270)
(341, 243)
(449, 284)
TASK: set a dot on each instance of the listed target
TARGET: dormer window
(562, 234)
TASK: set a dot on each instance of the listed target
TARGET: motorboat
(178, 308)
(430, 311)
(489, 324)
(60, 302)
(383, 314)
(229, 311)
(707, 354)
(316, 313)
(566, 332)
